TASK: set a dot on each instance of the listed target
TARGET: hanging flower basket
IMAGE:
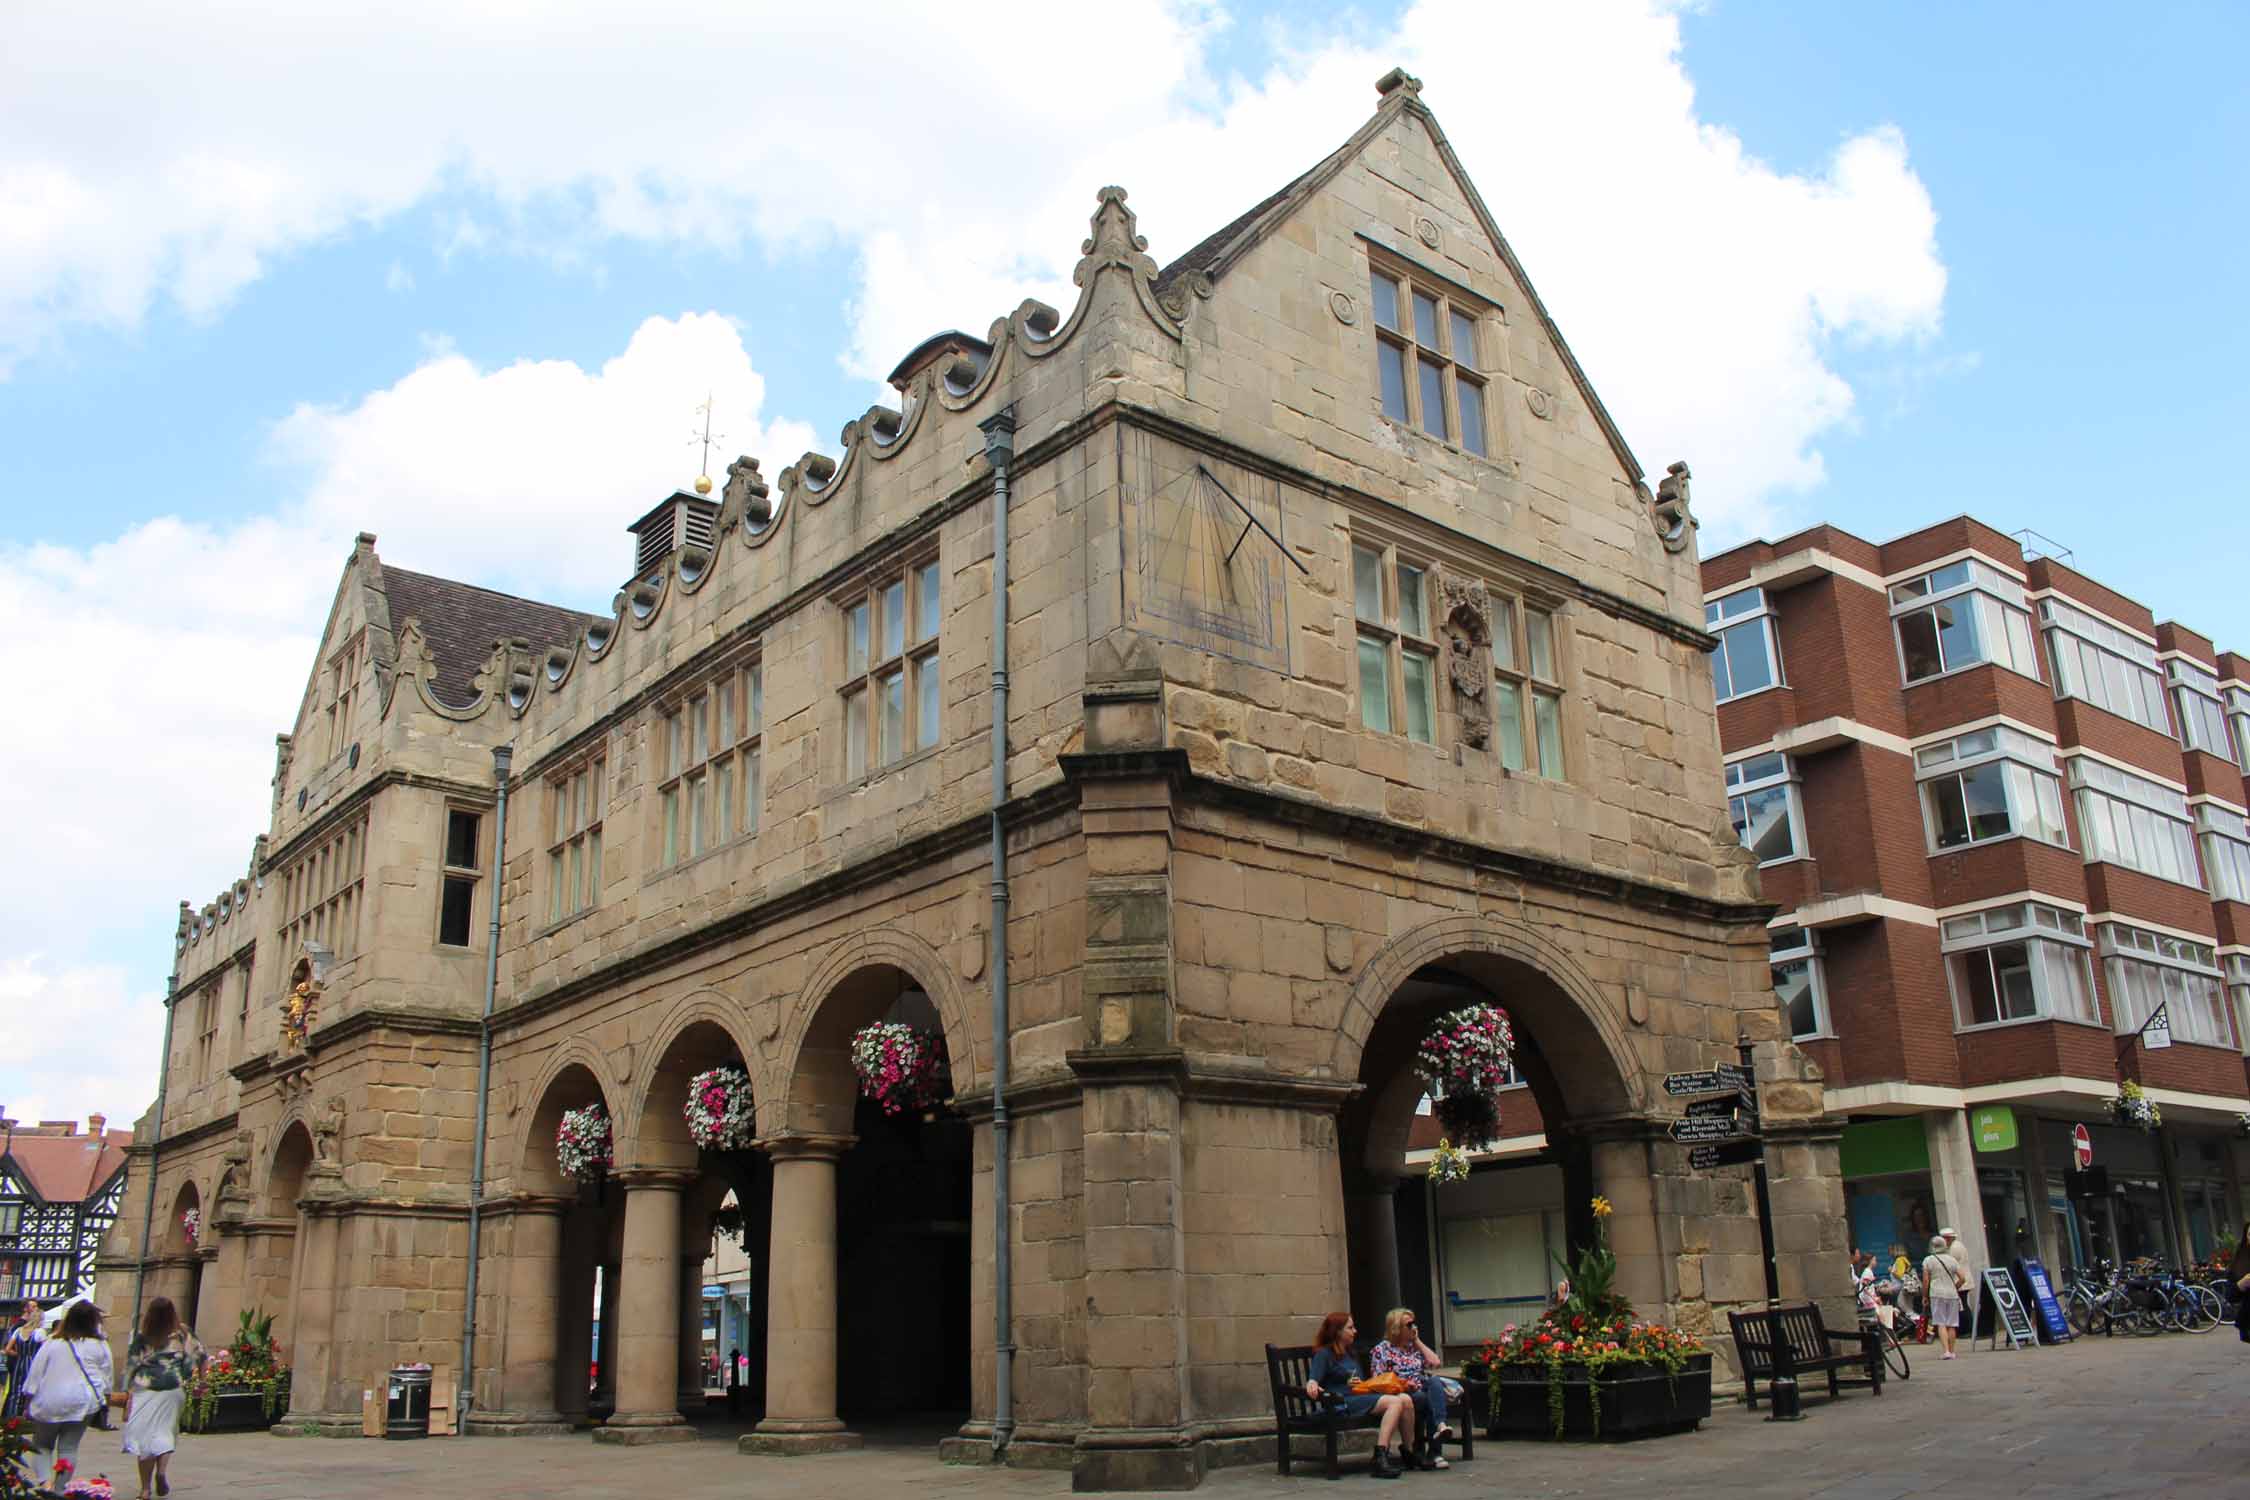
(191, 1224)
(1463, 1064)
(582, 1143)
(900, 1067)
(2242, 1125)
(1450, 1164)
(2133, 1107)
(719, 1112)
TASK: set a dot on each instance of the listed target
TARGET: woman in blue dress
(1334, 1368)
(16, 1354)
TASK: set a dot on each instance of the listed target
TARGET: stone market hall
(1173, 703)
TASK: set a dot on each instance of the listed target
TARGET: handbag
(1385, 1384)
(100, 1419)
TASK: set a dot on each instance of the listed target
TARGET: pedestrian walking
(1943, 1282)
(68, 1385)
(17, 1352)
(1972, 1296)
(164, 1356)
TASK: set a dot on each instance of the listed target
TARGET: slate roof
(1201, 255)
(461, 621)
(67, 1168)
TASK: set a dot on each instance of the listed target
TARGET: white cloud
(170, 657)
(398, 278)
(102, 1062)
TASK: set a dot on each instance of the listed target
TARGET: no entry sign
(2082, 1146)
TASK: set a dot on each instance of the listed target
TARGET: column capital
(530, 1203)
(672, 1179)
(806, 1147)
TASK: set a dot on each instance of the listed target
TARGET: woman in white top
(68, 1383)
(1943, 1282)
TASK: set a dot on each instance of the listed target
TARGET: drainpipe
(156, 1131)
(501, 754)
(999, 431)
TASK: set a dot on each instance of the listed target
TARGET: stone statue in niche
(1468, 657)
(328, 1129)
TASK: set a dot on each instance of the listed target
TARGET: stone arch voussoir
(704, 1006)
(885, 947)
(1500, 937)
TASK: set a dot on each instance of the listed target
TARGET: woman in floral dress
(163, 1357)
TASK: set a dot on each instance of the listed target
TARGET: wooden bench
(1814, 1347)
(1294, 1412)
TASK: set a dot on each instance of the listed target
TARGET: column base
(643, 1430)
(787, 1439)
(1151, 1459)
(519, 1424)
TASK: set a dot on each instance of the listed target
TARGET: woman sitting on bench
(1335, 1367)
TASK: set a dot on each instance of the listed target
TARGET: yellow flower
(1601, 1207)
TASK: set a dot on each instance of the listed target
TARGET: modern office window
(1797, 982)
(1762, 802)
(2132, 821)
(2147, 969)
(574, 839)
(464, 867)
(1747, 658)
(1426, 365)
(2104, 665)
(892, 690)
(2021, 962)
(2238, 720)
(2225, 837)
(1398, 654)
(1527, 687)
(2202, 713)
(1959, 615)
(1993, 783)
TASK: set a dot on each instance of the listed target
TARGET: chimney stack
(94, 1124)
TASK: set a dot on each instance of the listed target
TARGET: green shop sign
(1994, 1127)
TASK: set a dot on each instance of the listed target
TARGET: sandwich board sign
(2000, 1288)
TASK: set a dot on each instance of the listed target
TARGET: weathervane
(706, 437)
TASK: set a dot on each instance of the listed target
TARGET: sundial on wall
(1209, 568)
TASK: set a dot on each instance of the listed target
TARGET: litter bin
(408, 1414)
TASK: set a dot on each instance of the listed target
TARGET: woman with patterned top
(16, 1354)
(1402, 1353)
(164, 1356)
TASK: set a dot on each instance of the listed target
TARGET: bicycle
(1894, 1350)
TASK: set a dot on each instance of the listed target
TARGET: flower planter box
(1636, 1401)
(239, 1411)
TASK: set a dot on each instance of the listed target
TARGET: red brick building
(2001, 808)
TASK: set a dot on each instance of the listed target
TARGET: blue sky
(462, 282)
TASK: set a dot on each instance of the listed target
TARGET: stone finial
(1398, 80)
(1673, 519)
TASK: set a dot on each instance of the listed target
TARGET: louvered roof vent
(683, 520)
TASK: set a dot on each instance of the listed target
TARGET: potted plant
(582, 1143)
(1590, 1368)
(2134, 1107)
(1463, 1065)
(900, 1067)
(720, 1112)
(243, 1387)
(1449, 1163)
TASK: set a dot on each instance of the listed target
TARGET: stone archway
(871, 1211)
(1582, 1083)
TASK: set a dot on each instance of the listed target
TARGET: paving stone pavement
(2141, 1417)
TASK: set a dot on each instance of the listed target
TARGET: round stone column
(801, 1301)
(530, 1342)
(648, 1308)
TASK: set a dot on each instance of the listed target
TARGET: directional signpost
(1724, 1132)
